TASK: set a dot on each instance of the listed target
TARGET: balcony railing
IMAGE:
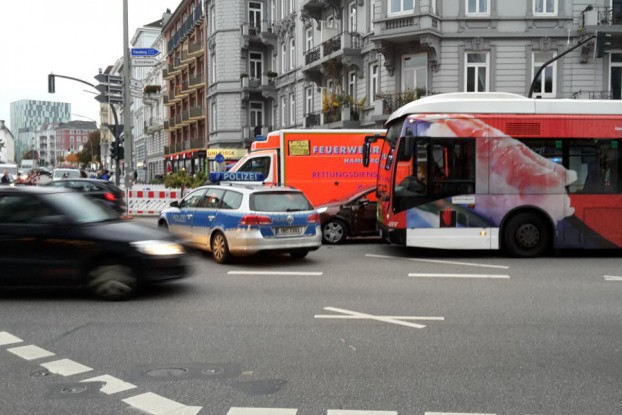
(312, 120)
(391, 102)
(614, 94)
(196, 112)
(197, 80)
(398, 23)
(312, 55)
(609, 15)
(331, 45)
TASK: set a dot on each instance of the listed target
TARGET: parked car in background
(53, 236)
(355, 215)
(237, 219)
(65, 174)
(101, 190)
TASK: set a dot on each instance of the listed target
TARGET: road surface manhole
(166, 372)
(213, 371)
(41, 373)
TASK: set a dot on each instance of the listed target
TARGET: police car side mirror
(174, 203)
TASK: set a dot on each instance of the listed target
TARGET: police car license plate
(289, 231)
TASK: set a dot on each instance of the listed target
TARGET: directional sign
(144, 62)
(135, 83)
(145, 52)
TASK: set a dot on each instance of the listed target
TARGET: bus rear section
(524, 183)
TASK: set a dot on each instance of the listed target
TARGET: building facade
(7, 144)
(27, 116)
(72, 136)
(49, 153)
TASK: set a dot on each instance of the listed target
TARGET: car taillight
(110, 197)
(254, 220)
(314, 218)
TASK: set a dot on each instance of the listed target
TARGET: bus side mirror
(366, 150)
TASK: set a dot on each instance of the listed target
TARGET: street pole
(127, 101)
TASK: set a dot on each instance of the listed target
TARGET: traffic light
(114, 152)
(51, 84)
(603, 44)
(121, 153)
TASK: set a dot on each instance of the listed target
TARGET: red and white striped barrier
(147, 202)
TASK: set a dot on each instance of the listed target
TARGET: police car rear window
(279, 202)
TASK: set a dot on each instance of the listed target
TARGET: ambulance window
(257, 165)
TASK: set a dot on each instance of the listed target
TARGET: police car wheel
(220, 248)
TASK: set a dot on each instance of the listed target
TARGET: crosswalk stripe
(66, 367)
(30, 352)
(421, 275)
(112, 384)
(612, 278)
(262, 411)
(8, 338)
(155, 404)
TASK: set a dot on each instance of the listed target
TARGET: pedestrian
(83, 174)
(105, 175)
(6, 179)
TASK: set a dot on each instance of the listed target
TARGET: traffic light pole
(547, 63)
(127, 102)
(52, 90)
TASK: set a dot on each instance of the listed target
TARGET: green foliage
(181, 178)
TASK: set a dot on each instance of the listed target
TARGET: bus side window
(596, 163)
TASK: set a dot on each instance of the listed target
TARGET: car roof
(34, 189)
(251, 188)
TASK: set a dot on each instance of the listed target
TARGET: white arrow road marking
(385, 319)
(438, 261)
(612, 278)
(65, 367)
(31, 352)
(491, 276)
(157, 405)
(272, 273)
(8, 338)
(113, 385)
(262, 411)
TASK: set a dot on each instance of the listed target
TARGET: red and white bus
(501, 171)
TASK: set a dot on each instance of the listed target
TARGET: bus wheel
(334, 232)
(526, 235)
(220, 248)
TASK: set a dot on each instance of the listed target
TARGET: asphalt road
(357, 327)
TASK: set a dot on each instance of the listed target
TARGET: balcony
(313, 120)
(196, 49)
(259, 33)
(185, 117)
(196, 113)
(613, 95)
(197, 81)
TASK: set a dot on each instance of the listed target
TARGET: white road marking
(347, 412)
(262, 411)
(30, 352)
(439, 261)
(157, 405)
(113, 385)
(612, 278)
(8, 338)
(272, 273)
(372, 317)
(390, 317)
(489, 276)
(66, 367)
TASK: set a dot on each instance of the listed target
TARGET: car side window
(212, 198)
(24, 209)
(193, 199)
(231, 200)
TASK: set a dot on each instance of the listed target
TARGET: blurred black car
(101, 190)
(355, 215)
(52, 236)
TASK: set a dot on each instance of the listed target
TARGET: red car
(353, 216)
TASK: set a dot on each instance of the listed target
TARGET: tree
(72, 158)
(90, 150)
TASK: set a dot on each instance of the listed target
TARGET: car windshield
(80, 209)
(59, 174)
(279, 202)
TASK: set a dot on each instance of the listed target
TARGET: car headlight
(158, 247)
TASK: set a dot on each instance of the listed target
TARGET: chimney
(166, 17)
(2, 127)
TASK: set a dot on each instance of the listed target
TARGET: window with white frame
(255, 63)
(309, 38)
(352, 17)
(478, 7)
(308, 100)
(292, 53)
(213, 68)
(292, 109)
(401, 6)
(283, 111)
(212, 26)
(352, 84)
(282, 9)
(256, 114)
(476, 71)
(545, 84)
(372, 12)
(283, 58)
(373, 82)
(415, 72)
(545, 7)
(254, 14)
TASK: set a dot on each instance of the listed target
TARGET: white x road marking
(386, 319)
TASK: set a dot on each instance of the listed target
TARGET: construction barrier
(150, 202)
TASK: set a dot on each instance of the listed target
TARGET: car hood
(124, 231)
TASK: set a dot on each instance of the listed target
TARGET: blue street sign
(145, 52)
(219, 158)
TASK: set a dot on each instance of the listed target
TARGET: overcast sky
(67, 37)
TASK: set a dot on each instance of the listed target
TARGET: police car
(234, 217)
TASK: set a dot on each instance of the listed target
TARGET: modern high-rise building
(27, 117)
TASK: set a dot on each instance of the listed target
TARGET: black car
(354, 215)
(52, 236)
(101, 190)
